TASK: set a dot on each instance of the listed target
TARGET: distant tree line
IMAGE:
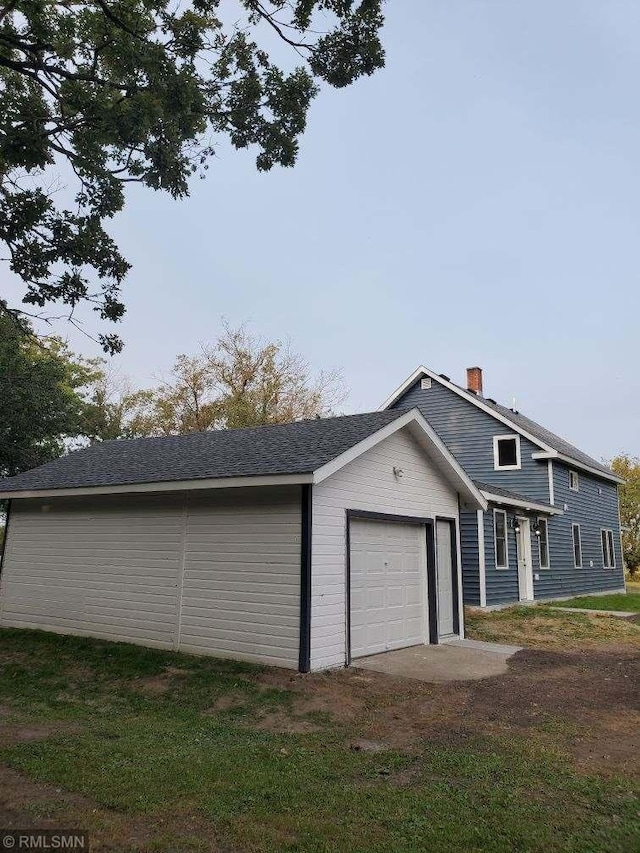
(53, 400)
(628, 467)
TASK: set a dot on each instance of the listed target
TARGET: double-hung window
(500, 538)
(543, 543)
(608, 551)
(577, 546)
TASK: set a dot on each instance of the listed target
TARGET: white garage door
(388, 586)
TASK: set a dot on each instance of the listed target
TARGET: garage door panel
(388, 580)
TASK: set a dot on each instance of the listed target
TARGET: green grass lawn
(544, 627)
(173, 752)
(618, 601)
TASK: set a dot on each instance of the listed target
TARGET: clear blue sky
(477, 202)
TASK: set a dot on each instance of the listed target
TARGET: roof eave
(531, 506)
(163, 486)
(574, 463)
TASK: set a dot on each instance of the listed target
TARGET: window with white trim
(543, 543)
(506, 452)
(500, 538)
(577, 546)
(608, 550)
(574, 481)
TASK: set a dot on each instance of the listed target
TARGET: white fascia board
(573, 463)
(448, 464)
(532, 505)
(172, 486)
(470, 398)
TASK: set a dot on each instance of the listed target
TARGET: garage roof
(296, 448)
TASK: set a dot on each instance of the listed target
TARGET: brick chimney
(474, 379)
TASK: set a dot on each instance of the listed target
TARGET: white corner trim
(521, 504)
(482, 560)
(169, 486)
(496, 453)
(552, 496)
(470, 398)
(413, 418)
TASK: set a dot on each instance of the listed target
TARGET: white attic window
(506, 452)
(574, 482)
(425, 383)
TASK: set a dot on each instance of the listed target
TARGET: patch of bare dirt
(279, 722)
(228, 702)
(12, 732)
(158, 685)
(152, 685)
(586, 703)
(25, 804)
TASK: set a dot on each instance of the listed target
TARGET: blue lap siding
(468, 433)
(502, 584)
(470, 558)
(594, 506)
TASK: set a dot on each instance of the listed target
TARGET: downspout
(6, 536)
(304, 660)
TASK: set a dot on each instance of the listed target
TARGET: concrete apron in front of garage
(459, 660)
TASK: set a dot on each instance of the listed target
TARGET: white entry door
(525, 568)
(445, 570)
(388, 586)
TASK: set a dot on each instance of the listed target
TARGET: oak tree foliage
(41, 404)
(239, 381)
(143, 91)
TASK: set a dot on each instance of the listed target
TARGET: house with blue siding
(552, 527)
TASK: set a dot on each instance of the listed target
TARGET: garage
(235, 543)
(388, 566)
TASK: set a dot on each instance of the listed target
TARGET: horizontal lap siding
(502, 584)
(592, 511)
(468, 432)
(103, 567)
(470, 561)
(241, 585)
(367, 483)
(113, 567)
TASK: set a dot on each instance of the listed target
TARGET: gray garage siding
(215, 573)
(241, 586)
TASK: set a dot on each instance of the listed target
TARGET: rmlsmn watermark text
(43, 839)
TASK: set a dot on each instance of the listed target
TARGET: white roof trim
(574, 463)
(470, 398)
(164, 486)
(523, 504)
(414, 419)
(547, 451)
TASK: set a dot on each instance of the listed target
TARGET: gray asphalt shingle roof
(544, 435)
(297, 448)
(505, 493)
